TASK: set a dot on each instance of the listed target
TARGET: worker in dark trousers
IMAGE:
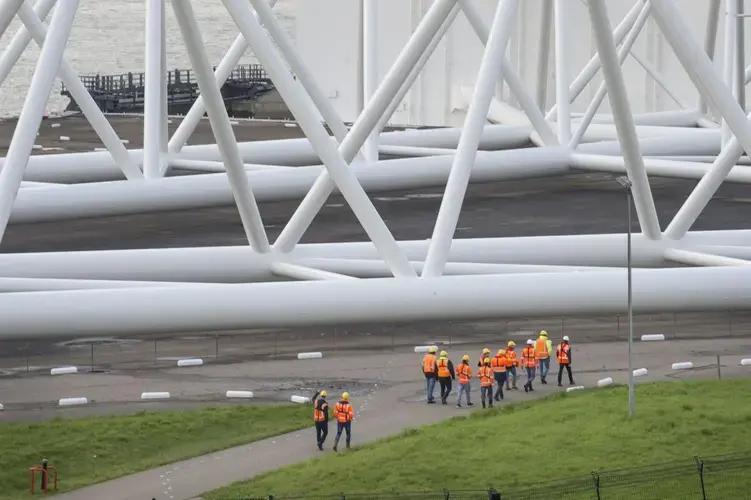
(445, 375)
(563, 355)
(430, 370)
(485, 374)
(498, 364)
(344, 415)
(321, 417)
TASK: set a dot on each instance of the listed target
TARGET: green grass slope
(91, 450)
(555, 438)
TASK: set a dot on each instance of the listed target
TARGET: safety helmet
(345, 396)
(444, 354)
(500, 351)
(465, 357)
(487, 361)
(544, 334)
(565, 338)
(511, 343)
(432, 350)
(530, 342)
(486, 351)
(324, 394)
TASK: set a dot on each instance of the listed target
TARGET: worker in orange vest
(563, 353)
(544, 350)
(321, 417)
(430, 370)
(511, 375)
(344, 415)
(529, 360)
(485, 355)
(464, 374)
(499, 365)
(485, 374)
(445, 375)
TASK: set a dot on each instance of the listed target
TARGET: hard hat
(487, 361)
(444, 354)
(324, 394)
(486, 351)
(511, 343)
(432, 350)
(543, 333)
(565, 338)
(345, 396)
(465, 357)
(530, 342)
(500, 351)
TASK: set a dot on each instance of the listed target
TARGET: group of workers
(343, 413)
(501, 369)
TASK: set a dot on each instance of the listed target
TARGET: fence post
(719, 371)
(700, 470)
(92, 357)
(596, 482)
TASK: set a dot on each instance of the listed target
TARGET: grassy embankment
(555, 438)
(91, 450)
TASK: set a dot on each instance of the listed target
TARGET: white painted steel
(72, 401)
(189, 362)
(605, 382)
(641, 372)
(239, 395)
(154, 395)
(310, 355)
(652, 337)
(686, 365)
(64, 370)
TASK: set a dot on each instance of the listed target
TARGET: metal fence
(701, 478)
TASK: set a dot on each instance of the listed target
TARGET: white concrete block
(652, 337)
(683, 366)
(310, 355)
(300, 399)
(55, 125)
(233, 123)
(100, 150)
(190, 362)
(125, 141)
(155, 395)
(641, 372)
(1, 407)
(63, 370)
(37, 147)
(746, 362)
(290, 125)
(64, 138)
(604, 382)
(575, 388)
(73, 401)
(424, 348)
(239, 394)
(169, 122)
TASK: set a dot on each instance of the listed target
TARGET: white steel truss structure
(230, 288)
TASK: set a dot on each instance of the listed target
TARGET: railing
(701, 478)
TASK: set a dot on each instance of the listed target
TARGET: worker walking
(529, 361)
(499, 364)
(344, 415)
(445, 375)
(544, 350)
(563, 354)
(430, 370)
(485, 355)
(464, 374)
(321, 417)
(511, 375)
(485, 374)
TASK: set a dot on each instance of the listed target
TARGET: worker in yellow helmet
(544, 350)
(445, 375)
(485, 355)
(321, 417)
(464, 374)
(344, 415)
(430, 370)
(513, 362)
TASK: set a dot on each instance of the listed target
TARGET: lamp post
(626, 183)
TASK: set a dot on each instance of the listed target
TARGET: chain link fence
(712, 478)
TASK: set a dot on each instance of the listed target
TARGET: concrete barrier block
(55, 125)
(63, 370)
(575, 388)
(424, 348)
(155, 395)
(100, 150)
(233, 123)
(37, 147)
(641, 372)
(125, 141)
(746, 362)
(652, 337)
(1, 407)
(239, 394)
(300, 399)
(64, 138)
(73, 401)
(683, 366)
(290, 125)
(310, 355)
(604, 382)
(190, 362)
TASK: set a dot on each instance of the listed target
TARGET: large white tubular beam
(21, 40)
(370, 13)
(225, 136)
(710, 41)
(193, 118)
(543, 61)
(367, 121)
(8, 9)
(692, 258)
(151, 311)
(624, 122)
(456, 187)
(305, 273)
(209, 190)
(731, 12)
(153, 119)
(307, 116)
(8, 285)
(563, 20)
(28, 124)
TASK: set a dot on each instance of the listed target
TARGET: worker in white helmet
(563, 355)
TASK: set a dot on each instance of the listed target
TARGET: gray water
(108, 38)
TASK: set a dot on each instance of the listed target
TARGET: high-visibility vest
(528, 357)
(541, 348)
(320, 415)
(428, 363)
(498, 363)
(485, 374)
(464, 372)
(343, 412)
(443, 368)
(562, 353)
(511, 357)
